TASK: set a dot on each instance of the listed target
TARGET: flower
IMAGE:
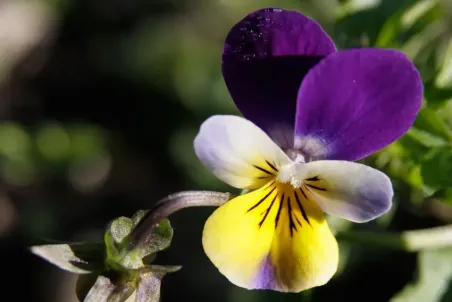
(311, 111)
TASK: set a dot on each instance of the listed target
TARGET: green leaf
(116, 242)
(435, 273)
(423, 41)
(387, 37)
(162, 269)
(117, 230)
(416, 11)
(426, 138)
(413, 150)
(444, 111)
(403, 21)
(121, 227)
(149, 259)
(159, 240)
(444, 77)
(136, 218)
(436, 171)
(428, 121)
(118, 288)
(118, 259)
(444, 195)
(79, 258)
(111, 271)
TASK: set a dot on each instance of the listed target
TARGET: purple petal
(356, 102)
(265, 58)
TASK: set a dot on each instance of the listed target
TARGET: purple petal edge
(355, 102)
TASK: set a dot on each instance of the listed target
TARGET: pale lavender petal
(349, 190)
(265, 58)
(237, 151)
(356, 102)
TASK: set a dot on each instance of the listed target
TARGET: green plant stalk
(410, 241)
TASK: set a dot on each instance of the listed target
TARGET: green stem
(428, 238)
(411, 241)
(387, 240)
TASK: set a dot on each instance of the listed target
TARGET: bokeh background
(100, 101)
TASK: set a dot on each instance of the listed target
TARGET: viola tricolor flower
(310, 111)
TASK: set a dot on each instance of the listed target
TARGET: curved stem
(410, 241)
(169, 205)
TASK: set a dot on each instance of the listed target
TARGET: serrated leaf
(435, 273)
(436, 171)
(79, 258)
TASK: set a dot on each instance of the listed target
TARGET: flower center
(296, 155)
(293, 173)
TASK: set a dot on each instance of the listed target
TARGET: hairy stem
(169, 205)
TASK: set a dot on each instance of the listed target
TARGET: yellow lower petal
(272, 238)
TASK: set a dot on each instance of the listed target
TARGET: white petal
(238, 152)
(349, 190)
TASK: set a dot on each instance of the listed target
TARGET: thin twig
(170, 205)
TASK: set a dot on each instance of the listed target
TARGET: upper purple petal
(356, 102)
(265, 58)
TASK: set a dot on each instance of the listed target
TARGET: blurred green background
(100, 101)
